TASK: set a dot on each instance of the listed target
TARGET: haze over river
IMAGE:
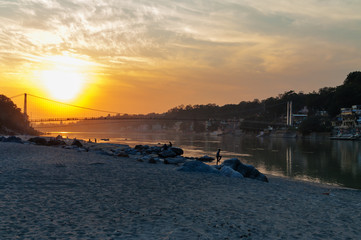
(319, 160)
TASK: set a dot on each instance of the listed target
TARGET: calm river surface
(326, 161)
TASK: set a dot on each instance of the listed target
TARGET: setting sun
(63, 85)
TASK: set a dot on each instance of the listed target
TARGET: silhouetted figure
(170, 144)
(95, 140)
(218, 156)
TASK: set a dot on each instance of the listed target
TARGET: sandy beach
(55, 193)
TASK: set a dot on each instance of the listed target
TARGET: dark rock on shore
(175, 160)
(197, 166)
(44, 142)
(122, 154)
(12, 139)
(154, 150)
(141, 147)
(38, 141)
(229, 172)
(167, 153)
(246, 170)
(55, 142)
(77, 143)
(176, 150)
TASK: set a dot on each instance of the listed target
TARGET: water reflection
(335, 162)
(289, 161)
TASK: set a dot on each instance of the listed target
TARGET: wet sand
(55, 193)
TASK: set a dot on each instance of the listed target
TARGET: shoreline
(50, 192)
(105, 145)
(305, 178)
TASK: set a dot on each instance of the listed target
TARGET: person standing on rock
(218, 156)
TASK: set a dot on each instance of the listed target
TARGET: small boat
(105, 139)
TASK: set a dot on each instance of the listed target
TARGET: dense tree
(353, 78)
(258, 114)
(273, 109)
(12, 121)
(314, 124)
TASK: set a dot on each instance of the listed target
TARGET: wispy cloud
(216, 43)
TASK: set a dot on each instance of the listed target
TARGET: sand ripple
(53, 193)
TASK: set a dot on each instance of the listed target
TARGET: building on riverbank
(348, 123)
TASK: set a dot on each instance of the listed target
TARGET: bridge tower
(26, 105)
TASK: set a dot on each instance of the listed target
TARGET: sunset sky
(149, 56)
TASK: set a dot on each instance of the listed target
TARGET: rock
(146, 158)
(77, 143)
(197, 166)
(131, 151)
(175, 160)
(153, 155)
(167, 153)
(152, 160)
(96, 163)
(232, 163)
(262, 177)
(104, 152)
(229, 172)
(141, 147)
(250, 171)
(177, 151)
(246, 170)
(205, 158)
(120, 148)
(38, 141)
(59, 137)
(56, 142)
(122, 154)
(13, 139)
(155, 150)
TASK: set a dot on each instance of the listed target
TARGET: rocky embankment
(158, 154)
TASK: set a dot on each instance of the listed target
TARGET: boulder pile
(166, 154)
(231, 168)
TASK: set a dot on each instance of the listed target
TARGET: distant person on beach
(218, 156)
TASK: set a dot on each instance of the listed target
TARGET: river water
(326, 161)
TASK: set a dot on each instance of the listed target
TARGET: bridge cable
(71, 105)
(17, 95)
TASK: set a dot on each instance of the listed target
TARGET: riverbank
(50, 192)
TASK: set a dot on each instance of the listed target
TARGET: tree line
(329, 99)
(255, 114)
(12, 120)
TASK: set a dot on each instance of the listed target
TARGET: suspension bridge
(40, 110)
